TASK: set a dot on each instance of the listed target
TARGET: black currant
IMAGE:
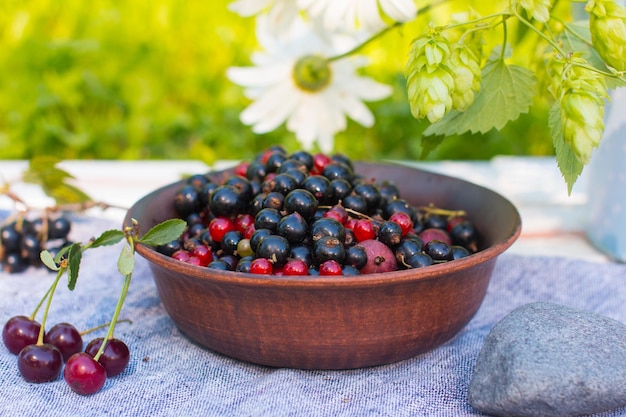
(225, 201)
(293, 227)
(438, 250)
(356, 256)
(186, 201)
(267, 218)
(328, 248)
(275, 248)
(327, 226)
(301, 201)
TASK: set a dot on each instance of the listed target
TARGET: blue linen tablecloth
(170, 375)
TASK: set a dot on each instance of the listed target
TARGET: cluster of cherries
(22, 240)
(41, 354)
(311, 214)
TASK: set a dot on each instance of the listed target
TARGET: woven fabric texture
(170, 375)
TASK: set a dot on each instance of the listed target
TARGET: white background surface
(553, 222)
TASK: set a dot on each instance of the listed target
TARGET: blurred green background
(145, 79)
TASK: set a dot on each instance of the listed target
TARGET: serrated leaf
(164, 232)
(74, 256)
(107, 238)
(506, 92)
(126, 261)
(48, 260)
(43, 171)
(568, 163)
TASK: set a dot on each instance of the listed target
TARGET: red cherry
(40, 363)
(19, 332)
(115, 357)
(84, 374)
(66, 338)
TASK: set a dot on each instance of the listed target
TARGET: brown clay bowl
(335, 322)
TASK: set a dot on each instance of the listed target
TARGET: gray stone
(545, 359)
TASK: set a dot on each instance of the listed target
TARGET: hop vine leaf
(506, 92)
(567, 161)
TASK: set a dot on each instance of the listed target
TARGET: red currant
(219, 226)
(203, 253)
(364, 230)
(261, 266)
(404, 220)
(330, 267)
(243, 222)
(320, 161)
(295, 267)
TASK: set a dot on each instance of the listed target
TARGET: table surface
(552, 261)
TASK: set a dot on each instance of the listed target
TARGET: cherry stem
(116, 313)
(45, 296)
(49, 293)
(102, 326)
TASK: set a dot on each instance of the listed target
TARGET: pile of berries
(311, 214)
(22, 240)
(41, 354)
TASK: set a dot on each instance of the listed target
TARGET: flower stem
(385, 30)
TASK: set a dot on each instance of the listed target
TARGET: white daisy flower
(281, 13)
(361, 14)
(294, 82)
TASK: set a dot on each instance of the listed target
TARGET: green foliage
(164, 232)
(506, 92)
(43, 170)
(146, 80)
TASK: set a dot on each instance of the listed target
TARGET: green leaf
(43, 171)
(107, 238)
(164, 232)
(568, 163)
(48, 260)
(126, 261)
(74, 256)
(506, 92)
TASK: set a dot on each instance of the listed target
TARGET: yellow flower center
(312, 73)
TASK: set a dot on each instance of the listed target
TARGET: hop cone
(581, 95)
(538, 9)
(467, 76)
(607, 23)
(430, 81)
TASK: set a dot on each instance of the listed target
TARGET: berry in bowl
(316, 262)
